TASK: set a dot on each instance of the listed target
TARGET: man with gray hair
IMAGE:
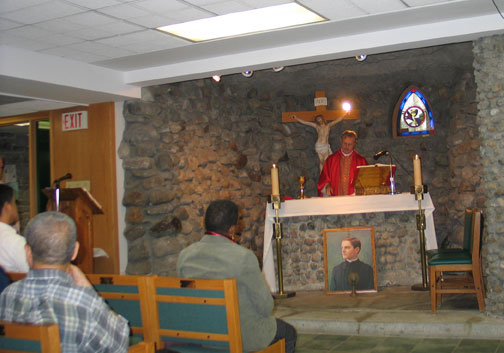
(55, 291)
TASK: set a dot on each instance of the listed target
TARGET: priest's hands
(329, 190)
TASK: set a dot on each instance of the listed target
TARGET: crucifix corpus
(322, 120)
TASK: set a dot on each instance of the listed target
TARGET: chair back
(16, 276)
(477, 227)
(16, 337)
(127, 296)
(201, 312)
(468, 229)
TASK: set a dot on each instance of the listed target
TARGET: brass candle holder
(276, 203)
(302, 180)
(419, 191)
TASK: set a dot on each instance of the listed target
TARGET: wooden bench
(197, 315)
(127, 296)
(16, 337)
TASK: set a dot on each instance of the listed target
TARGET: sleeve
(325, 177)
(16, 256)
(257, 289)
(108, 332)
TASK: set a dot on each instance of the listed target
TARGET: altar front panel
(396, 236)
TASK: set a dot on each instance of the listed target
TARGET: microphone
(381, 153)
(64, 177)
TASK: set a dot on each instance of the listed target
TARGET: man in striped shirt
(55, 291)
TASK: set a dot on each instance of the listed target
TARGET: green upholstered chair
(198, 315)
(16, 337)
(459, 272)
(466, 245)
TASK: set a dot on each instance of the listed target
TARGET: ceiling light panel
(240, 23)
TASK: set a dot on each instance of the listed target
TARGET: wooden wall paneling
(90, 155)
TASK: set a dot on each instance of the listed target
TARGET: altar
(375, 210)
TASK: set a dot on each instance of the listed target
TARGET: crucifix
(318, 119)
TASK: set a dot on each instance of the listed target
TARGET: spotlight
(248, 73)
(361, 57)
(346, 106)
(216, 78)
(278, 68)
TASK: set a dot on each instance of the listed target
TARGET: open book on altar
(373, 179)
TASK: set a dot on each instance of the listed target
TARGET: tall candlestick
(417, 170)
(275, 189)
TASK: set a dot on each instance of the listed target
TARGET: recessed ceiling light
(361, 57)
(245, 22)
(216, 78)
(248, 73)
(278, 68)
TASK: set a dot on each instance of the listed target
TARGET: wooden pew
(127, 296)
(15, 337)
(197, 315)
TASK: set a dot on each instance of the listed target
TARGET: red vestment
(331, 172)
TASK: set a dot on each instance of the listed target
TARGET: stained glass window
(413, 114)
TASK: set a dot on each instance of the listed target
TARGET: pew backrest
(16, 337)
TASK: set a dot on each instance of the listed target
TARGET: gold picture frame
(350, 260)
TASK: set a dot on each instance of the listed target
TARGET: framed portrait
(350, 260)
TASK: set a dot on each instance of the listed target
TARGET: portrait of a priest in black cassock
(350, 248)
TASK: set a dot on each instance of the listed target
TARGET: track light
(248, 73)
(216, 78)
(278, 68)
(361, 57)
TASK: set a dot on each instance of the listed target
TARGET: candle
(417, 170)
(275, 189)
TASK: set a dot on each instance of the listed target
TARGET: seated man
(12, 253)
(217, 256)
(55, 291)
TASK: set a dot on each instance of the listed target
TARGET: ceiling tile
(24, 43)
(257, 4)
(43, 12)
(415, 3)
(27, 31)
(152, 21)
(334, 10)
(60, 26)
(226, 7)
(12, 5)
(160, 6)
(374, 7)
(90, 19)
(71, 53)
(95, 4)
(124, 11)
(101, 49)
(58, 40)
(6, 24)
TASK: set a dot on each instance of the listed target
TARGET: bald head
(51, 237)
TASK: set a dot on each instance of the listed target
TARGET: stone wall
(489, 73)
(188, 143)
(14, 150)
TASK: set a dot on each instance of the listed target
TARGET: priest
(339, 173)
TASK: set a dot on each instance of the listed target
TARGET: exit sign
(75, 121)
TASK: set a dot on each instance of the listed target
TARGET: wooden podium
(80, 205)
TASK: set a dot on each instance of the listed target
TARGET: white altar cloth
(343, 205)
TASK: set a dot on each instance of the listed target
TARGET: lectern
(80, 205)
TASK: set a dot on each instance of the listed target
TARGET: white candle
(417, 170)
(275, 189)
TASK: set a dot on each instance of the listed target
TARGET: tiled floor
(364, 344)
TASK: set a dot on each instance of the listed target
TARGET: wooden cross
(320, 109)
